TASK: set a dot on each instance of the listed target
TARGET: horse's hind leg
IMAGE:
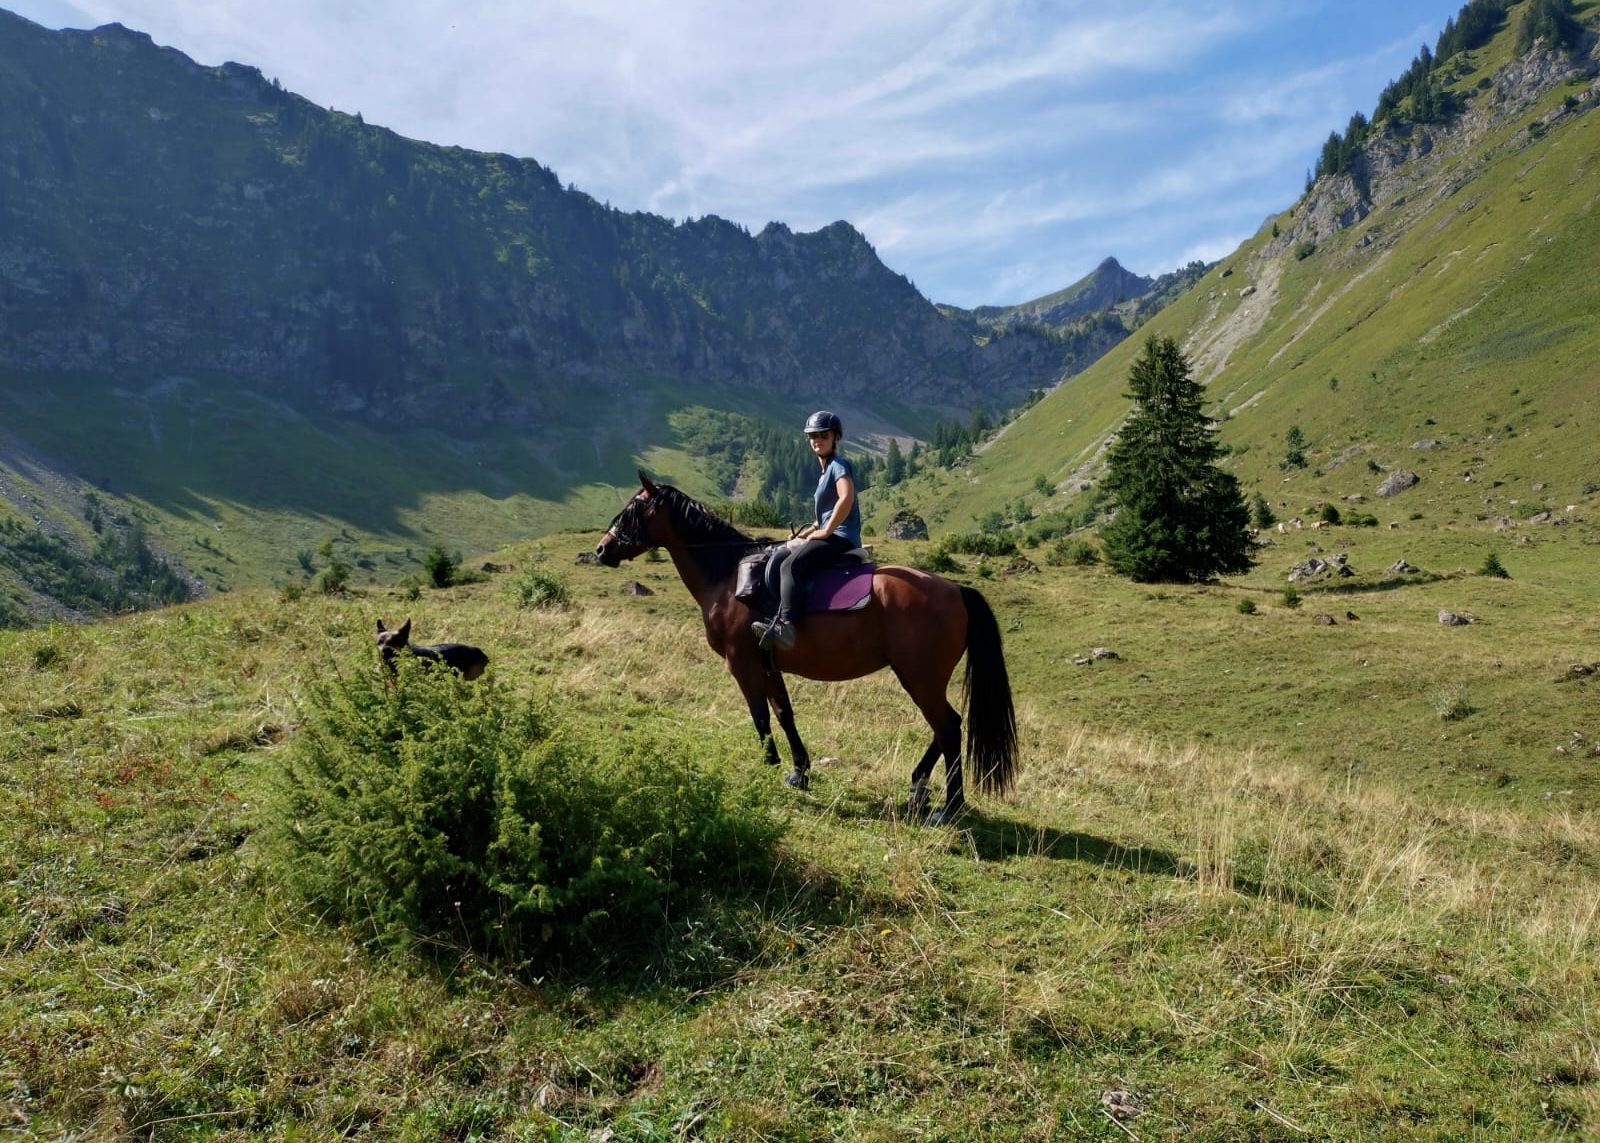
(946, 725)
(917, 803)
(949, 740)
(778, 696)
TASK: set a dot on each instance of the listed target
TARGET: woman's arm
(845, 486)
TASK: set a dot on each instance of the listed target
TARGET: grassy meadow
(1262, 878)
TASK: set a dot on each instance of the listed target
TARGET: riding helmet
(823, 421)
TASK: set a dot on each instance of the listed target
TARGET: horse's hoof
(799, 779)
(917, 802)
(945, 816)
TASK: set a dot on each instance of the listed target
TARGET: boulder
(634, 587)
(1324, 620)
(1397, 482)
(587, 558)
(906, 525)
(1453, 619)
(1400, 567)
(1425, 444)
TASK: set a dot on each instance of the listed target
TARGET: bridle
(616, 533)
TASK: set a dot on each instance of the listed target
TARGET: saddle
(846, 586)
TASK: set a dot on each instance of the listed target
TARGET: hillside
(1440, 292)
(247, 324)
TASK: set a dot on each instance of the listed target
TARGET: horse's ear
(644, 483)
(381, 627)
(405, 629)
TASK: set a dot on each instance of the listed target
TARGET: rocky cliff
(161, 218)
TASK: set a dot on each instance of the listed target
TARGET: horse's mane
(699, 524)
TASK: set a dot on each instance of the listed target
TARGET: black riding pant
(804, 562)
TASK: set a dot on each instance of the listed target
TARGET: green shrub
(290, 592)
(334, 578)
(979, 544)
(538, 587)
(1291, 597)
(1330, 514)
(1247, 606)
(939, 560)
(437, 809)
(1305, 250)
(1493, 567)
(439, 566)
(1067, 552)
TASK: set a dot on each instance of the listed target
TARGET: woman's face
(822, 444)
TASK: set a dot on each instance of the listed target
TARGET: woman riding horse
(837, 530)
(916, 623)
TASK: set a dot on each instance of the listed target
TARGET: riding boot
(781, 634)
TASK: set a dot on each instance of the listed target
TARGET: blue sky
(991, 150)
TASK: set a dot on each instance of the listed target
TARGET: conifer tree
(1180, 518)
(894, 466)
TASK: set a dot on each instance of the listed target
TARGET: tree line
(1422, 95)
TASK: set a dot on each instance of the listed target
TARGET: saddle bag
(750, 581)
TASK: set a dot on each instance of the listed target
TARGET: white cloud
(979, 144)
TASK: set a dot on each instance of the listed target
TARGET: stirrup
(779, 634)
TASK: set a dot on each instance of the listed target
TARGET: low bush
(979, 544)
(437, 809)
(1072, 553)
(941, 561)
(440, 566)
(539, 587)
(1247, 606)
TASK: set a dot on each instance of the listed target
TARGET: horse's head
(634, 530)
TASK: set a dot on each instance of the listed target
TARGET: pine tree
(1550, 20)
(1180, 518)
(894, 465)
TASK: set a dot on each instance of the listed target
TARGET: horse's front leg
(747, 671)
(778, 696)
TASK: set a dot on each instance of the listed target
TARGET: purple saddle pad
(840, 589)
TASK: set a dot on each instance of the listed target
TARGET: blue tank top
(828, 495)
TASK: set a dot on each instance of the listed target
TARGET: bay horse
(916, 624)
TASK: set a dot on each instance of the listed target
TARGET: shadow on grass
(712, 938)
(997, 838)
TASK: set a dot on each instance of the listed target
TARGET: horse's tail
(991, 720)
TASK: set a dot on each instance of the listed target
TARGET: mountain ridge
(408, 283)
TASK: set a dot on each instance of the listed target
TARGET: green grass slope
(1463, 308)
(1186, 923)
